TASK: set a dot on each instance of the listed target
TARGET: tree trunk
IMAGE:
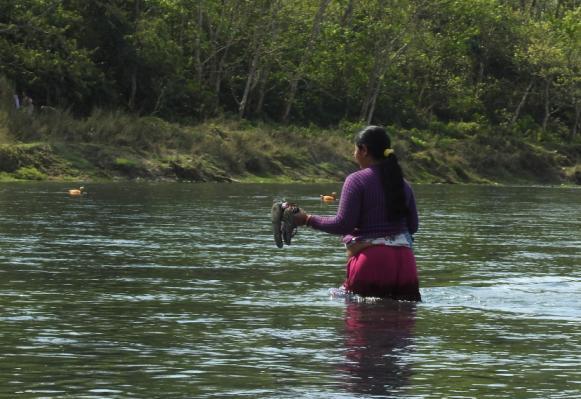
(221, 64)
(547, 104)
(249, 83)
(291, 98)
(373, 102)
(218, 74)
(262, 92)
(197, 53)
(371, 89)
(133, 92)
(159, 99)
(577, 121)
(521, 103)
(348, 14)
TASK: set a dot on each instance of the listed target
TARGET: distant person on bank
(377, 216)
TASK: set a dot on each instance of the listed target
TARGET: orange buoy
(75, 192)
(329, 197)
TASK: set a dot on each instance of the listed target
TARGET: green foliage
(418, 142)
(124, 162)
(405, 63)
(42, 55)
(29, 173)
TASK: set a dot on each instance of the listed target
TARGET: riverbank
(121, 147)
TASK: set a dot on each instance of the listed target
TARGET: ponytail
(379, 146)
(393, 186)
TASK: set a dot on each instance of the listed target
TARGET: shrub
(125, 163)
(29, 173)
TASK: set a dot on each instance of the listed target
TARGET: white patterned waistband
(396, 240)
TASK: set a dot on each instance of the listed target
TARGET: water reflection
(377, 338)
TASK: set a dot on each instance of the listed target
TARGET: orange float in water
(329, 198)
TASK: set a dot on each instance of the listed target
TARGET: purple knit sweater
(362, 209)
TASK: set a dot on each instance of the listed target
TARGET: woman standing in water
(377, 215)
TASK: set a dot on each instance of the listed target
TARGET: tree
(309, 45)
(39, 52)
(259, 46)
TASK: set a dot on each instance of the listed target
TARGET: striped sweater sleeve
(348, 213)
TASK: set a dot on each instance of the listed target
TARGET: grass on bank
(112, 145)
(109, 145)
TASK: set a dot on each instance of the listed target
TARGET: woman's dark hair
(377, 141)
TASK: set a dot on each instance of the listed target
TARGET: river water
(178, 291)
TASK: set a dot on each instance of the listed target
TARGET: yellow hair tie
(387, 152)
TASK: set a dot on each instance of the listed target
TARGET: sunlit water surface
(178, 291)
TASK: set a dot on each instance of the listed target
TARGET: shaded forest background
(432, 69)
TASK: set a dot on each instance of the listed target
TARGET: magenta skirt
(384, 271)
